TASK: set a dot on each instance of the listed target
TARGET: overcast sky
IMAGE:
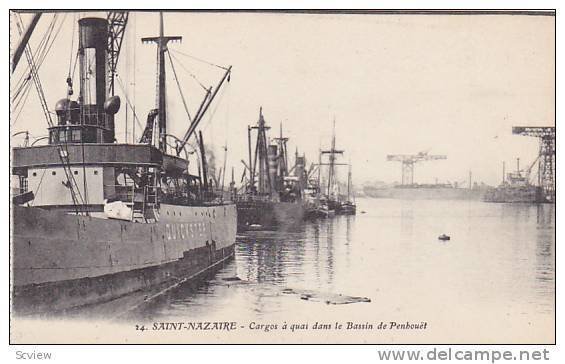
(452, 85)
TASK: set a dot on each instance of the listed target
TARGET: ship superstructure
(94, 219)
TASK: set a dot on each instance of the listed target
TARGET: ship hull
(439, 193)
(268, 214)
(62, 262)
(523, 194)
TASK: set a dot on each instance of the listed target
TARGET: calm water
(493, 282)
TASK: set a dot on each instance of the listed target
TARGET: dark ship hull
(268, 214)
(516, 194)
(61, 261)
(347, 208)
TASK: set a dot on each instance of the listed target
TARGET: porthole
(53, 173)
(180, 213)
(174, 213)
(34, 174)
(167, 212)
(96, 173)
(75, 172)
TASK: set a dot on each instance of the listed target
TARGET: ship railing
(131, 194)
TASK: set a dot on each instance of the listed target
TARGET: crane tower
(546, 158)
(408, 161)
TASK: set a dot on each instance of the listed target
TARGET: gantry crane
(408, 161)
(117, 21)
(546, 156)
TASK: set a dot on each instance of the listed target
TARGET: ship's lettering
(168, 231)
(183, 230)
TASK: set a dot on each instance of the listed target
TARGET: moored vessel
(437, 191)
(272, 196)
(517, 188)
(95, 220)
(330, 198)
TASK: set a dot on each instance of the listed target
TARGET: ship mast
(161, 42)
(332, 158)
(261, 156)
(349, 182)
(282, 160)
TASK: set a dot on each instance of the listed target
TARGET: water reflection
(501, 257)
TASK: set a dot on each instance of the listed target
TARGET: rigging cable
(132, 36)
(33, 67)
(40, 48)
(36, 80)
(128, 102)
(190, 73)
(201, 60)
(179, 87)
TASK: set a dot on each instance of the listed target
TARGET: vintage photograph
(282, 177)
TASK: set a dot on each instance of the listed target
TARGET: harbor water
(493, 282)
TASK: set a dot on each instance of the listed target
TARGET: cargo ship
(426, 192)
(271, 197)
(517, 188)
(95, 220)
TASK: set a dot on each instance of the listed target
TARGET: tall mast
(162, 42)
(282, 160)
(349, 182)
(251, 169)
(332, 157)
(332, 161)
(261, 155)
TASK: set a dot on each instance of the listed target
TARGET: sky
(395, 84)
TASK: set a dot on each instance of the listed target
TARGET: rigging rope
(128, 100)
(201, 60)
(190, 73)
(27, 75)
(180, 89)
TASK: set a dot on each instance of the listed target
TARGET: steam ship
(271, 197)
(95, 220)
(516, 187)
(426, 192)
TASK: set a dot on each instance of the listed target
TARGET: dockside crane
(408, 161)
(117, 22)
(546, 156)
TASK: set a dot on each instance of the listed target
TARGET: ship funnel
(93, 44)
(93, 59)
(272, 155)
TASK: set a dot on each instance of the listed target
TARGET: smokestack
(93, 43)
(97, 110)
(272, 154)
(299, 170)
